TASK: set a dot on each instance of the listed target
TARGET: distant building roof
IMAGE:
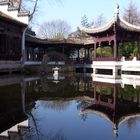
(34, 39)
(79, 37)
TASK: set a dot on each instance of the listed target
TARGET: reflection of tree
(132, 122)
(128, 93)
(104, 89)
(58, 105)
(57, 96)
(49, 136)
(84, 116)
(58, 136)
(49, 86)
(81, 105)
(34, 133)
(67, 87)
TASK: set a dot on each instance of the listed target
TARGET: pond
(73, 107)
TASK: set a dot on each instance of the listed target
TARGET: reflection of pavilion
(130, 81)
(124, 80)
(114, 104)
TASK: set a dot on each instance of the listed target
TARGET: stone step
(14, 135)
(4, 138)
(14, 128)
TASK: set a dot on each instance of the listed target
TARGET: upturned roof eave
(126, 25)
(116, 19)
(94, 30)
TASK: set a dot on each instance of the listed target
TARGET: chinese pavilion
(113, 35)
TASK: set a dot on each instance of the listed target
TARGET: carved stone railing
(106, 59)
(80, 61)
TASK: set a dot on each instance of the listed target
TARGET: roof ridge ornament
(116, 11)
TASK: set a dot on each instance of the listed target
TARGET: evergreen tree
(84, 21)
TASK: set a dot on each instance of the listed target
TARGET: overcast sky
(73, 10)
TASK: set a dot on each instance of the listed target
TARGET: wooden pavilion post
(115, 43)
(85, 52)
(78, 53)
(95, 50)
(88, 53)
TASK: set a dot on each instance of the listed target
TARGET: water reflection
(116, 104)
(73, 108)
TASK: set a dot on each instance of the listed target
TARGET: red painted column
(78, 53)
(88, 53)
(115, 49)
(115, 43)
(95, 50)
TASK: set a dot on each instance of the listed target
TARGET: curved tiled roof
(124, 24)
(119, 21)
(98, 29)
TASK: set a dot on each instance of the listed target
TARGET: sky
(72, 11)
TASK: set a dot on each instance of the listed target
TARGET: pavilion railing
(131, 58)
(80, 61)
(106, 59)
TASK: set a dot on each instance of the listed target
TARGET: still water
(72, 108)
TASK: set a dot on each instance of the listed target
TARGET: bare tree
(132, 14)
(98, 21)
(34, 2)
(31, 6)
(56, 29)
